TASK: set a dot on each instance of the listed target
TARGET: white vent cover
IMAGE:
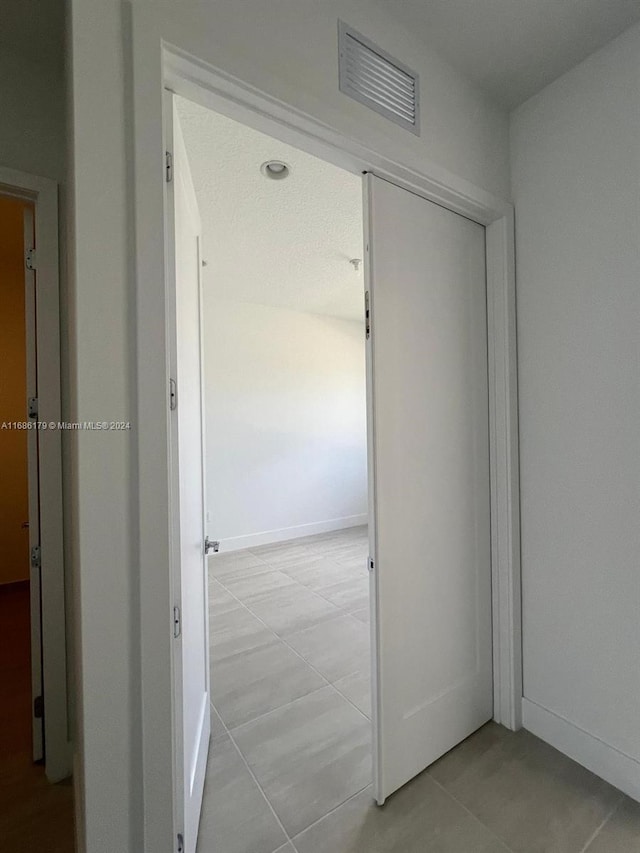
(377, 80)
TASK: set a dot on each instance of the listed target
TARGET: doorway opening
(32, 752)
(284, 343)
(296, 391)
(176, 702)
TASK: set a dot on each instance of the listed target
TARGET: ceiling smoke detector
(275, 170)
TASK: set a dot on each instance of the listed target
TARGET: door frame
(43, 194)
(157, 65)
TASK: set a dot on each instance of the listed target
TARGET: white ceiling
(283, 243)
(514, 48)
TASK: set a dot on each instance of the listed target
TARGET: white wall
(32, 106)
(576, 184)
(286, 423)
(255, 41)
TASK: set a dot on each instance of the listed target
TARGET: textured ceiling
(514, 48)
(284, 243)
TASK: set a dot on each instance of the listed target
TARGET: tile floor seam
(469, 812)
(263, 792)
(319, 593)
(255, 781)
(330, 812)
(599, 829)
(340, 612)
(213, 557)
(310, 665)
(293, 580)
(304, 660)
(261, 717)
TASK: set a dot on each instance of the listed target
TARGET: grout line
(501, 840)
(319, 593)
(310, 665)
(279, 708)
(343, 610)
(252, 774)
(229, 731)
(331, 811)
(468, 811)
(599, 829)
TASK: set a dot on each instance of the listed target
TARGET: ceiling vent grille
(377, 80)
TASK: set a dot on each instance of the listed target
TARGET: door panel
(428, 398)
(35, 588)
(188, 498)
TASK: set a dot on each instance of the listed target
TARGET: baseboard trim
(605, 761)
(267, 537)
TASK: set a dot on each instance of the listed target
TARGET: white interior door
(35, 587)
(188, 495)
(429, 452)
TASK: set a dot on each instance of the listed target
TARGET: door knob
(211, 545)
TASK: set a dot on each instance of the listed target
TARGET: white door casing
(431, 532)
(191, 645)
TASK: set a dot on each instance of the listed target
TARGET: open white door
(44, 470)
(35, 591)
(429, 468)
(191, 655)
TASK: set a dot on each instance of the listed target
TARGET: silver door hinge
(38, 707)
(367, 315)
(168, 163)
(370, 564)
(32, 407)
(180, 845)
(30, 259)
(211, 545)
(177, 622)
(173, 394)
(36, 557)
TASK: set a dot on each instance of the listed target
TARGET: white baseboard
(267, 537)
(605, 761)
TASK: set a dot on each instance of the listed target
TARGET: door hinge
(168, 162)
(173, 395)
(38, 707)
(177, 622)
(367, 315)
(30, 259)
(211, 545)
(36, 557)
(370, 564)
(32, 407)
(180, 845)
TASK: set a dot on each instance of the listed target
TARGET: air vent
(377, 80)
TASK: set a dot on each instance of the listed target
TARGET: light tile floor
(289, 766)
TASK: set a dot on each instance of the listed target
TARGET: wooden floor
(35, 817)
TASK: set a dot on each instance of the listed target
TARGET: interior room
(500, 136)
(286, 458)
